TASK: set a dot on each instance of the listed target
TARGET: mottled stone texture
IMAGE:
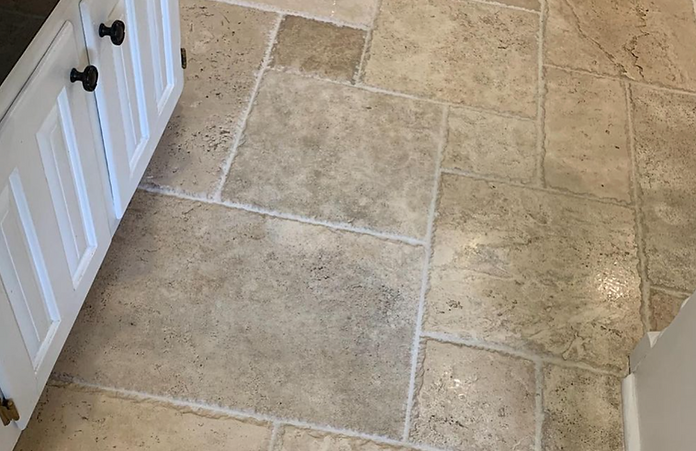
(665, 133)
(586, 135)
(207, 303)
(535, 270)
(461, 52)
(225, 46)
(491, 145)
(78, 419)
(359, 12)
(296, 439)
(318, 48)
(664, 307)
(642, 39)
(335, 153)
(474, 400)
(582, 411)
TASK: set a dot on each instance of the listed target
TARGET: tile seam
(242, 124)
(541, 98)
(532, 187)
(234, 413)
(504, 5)
(285, 216)
(290, 12)
(539, 406)
(415, 346)
(368, 44)
(669, 290)
(638, 214)
(273, 442)
(520, 353)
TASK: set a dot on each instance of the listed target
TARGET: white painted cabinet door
(54, 228)
(140, 82)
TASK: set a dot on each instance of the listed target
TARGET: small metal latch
(8, 411)
(184, 60)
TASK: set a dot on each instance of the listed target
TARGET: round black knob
(117, 31)
(88, 77)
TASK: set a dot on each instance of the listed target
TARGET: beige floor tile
(535, 270)
(582, 411)
(641, 39)
(491, 145)
(204, 302)
(664, 307)
(338, 153)
(586, 135)
(318, 48)
(296, 439)
(474, 400)
(461, 52)
(528, 4)
(78, 419)
(665, 132)
(225, 46)
(358, 12)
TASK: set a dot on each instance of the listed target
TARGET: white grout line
(287, 216)
(504, 349)
(415, 350)
(366, 48)
(505, 5)
(541, 98)
(642, 257)
(560, 192)
(539, 412)
(670, 291)
(241, 126)
(292, 12)
(272, 443)
(238, 414)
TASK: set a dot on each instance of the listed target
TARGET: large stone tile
(296, 439)
(665, 132)
(318, 48)
(586, 135)
(358, 12)
(199, 301)
(225, 46)
(535, 270)
(78, 419)
(461, 52)
(664, 307)
(491, 145)
(582, 411)
(642, 39)
(338, 153)
(474, 400)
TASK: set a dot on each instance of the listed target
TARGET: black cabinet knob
(88, 77)
(117, 32)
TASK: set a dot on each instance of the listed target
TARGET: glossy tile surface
(318, 48)
(79, 419)
(338, 154)
(417, 47)
(202, 302)
(474, 399)
(536, 271)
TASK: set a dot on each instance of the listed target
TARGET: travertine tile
(665, 132)
(78, 419)
(586, 135)
(641, 39)
(318, 48)
(664, 307)
(461, 52)
(474, 399)
(199, 301)
(528, 4)
(359, 12)
(491, 145)
(582, 411)
(225, 46)
(340, 154)
(535, 270)
(296, 439)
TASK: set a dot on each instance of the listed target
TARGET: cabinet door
(54, 228)
(140, 82)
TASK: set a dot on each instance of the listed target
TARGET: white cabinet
(137, 53)
(54, 228)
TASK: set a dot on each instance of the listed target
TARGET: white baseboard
(630, 414)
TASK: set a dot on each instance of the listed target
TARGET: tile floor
(390, 225)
